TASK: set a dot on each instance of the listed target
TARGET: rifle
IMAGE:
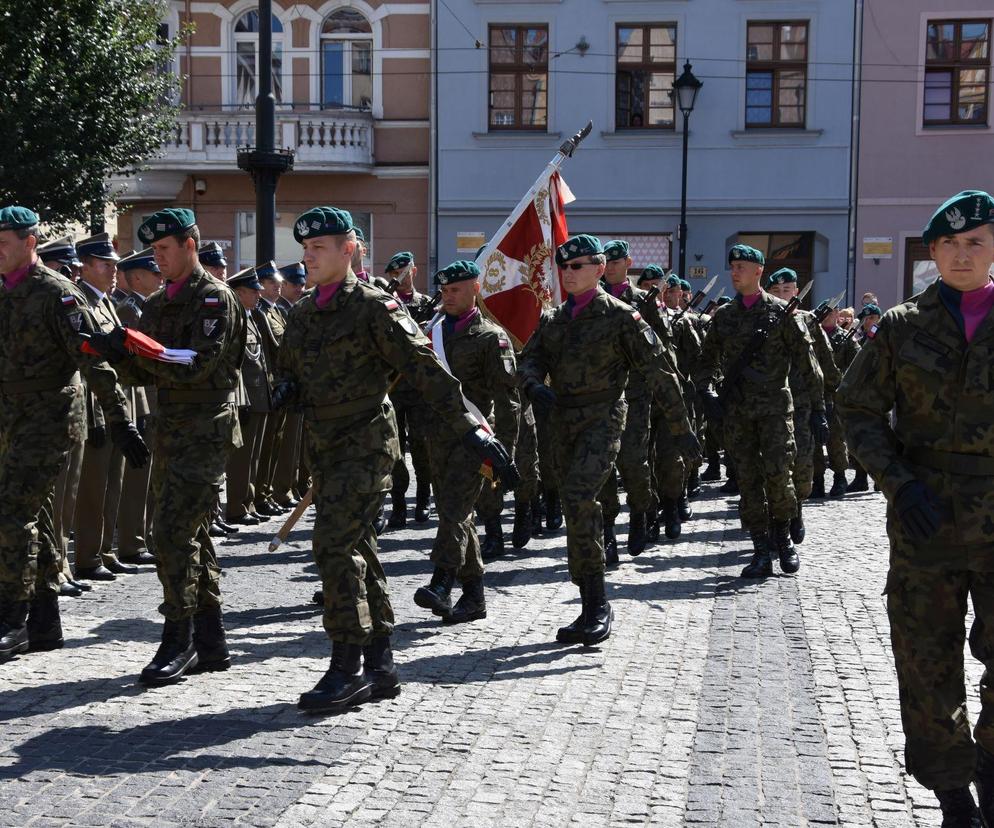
(825, 308)
(732, 376)
(695, 300)
(712, 303)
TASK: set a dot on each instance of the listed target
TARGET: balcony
(322, 141)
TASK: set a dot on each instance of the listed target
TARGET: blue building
(770, 135)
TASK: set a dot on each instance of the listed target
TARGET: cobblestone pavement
(715, 701)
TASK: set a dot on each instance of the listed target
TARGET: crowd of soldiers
(316, 379)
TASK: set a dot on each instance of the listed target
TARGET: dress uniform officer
(919, 416)
(285, 491)
(93, 561)
(198, 427)
(342, 345)
(43, 318)
(211, 258)
(587, 347)
(480, 356)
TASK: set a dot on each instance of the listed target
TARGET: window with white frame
(346, 60)
(246, 39)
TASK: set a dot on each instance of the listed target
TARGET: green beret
(722, 300)
(684, 284)
(784, 274)
(168, 222)
(650, 273)
(322, 221)
(17, 218)
(745, 253)
(617, 249)
(963, 212)
(672, 281)
(399, 260)
(461, 271)
(870, 310)
(359, 234)
(582, 245)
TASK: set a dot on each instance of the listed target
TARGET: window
(287, 248)
(793, 250)
(247, 59)
(645, 69)
(346, 60)
(776, 74)
(957, 66)
(519, 77)
(919, 269)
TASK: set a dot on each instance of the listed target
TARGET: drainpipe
(433, 148)
(189, 58)
(857, 76)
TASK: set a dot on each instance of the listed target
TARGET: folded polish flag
(142, 345)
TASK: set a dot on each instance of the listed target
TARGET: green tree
(85, 92)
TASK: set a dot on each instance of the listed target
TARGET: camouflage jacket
(917, 404)
(342, 357)
(686, 341)
(762, 388)
(844, 351)
(129, 311)
(40, 325)
(829, 372)
(482, 359)
(589, 359)
(105, 315)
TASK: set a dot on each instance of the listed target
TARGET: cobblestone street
(715, 701)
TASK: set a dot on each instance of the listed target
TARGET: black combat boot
(573, 633)
(318, 597)
(780, 536)
(597, 625)
(344, 685)
(176, 654)
(712, 471)
(730, 486)
(958, 808)
(694, 483)
(437, 596)
(761, 565)
(636, 533)
(686, 511)
(553, 512)
(380, 671)
(69, 590)
(817, 487)
(610, 545)
(671, 518)
(860, 483)
(209, 640)
(398, 511)
(984, 780)
(652, 525)
(522, 531)
(538, 512)
(380, 523)
(216, 531)
(422, 503)
(839, 484)
(471, 606)
(13, 629)
(493, 540)
(797, 530)
(44, 623)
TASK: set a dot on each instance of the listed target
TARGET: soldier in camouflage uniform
(342, 345)
(478, 354)
(919, 416)
(844, 351)
(198, 428)
(757, 412)
(783, 285)
(43, 318)
(588, 346)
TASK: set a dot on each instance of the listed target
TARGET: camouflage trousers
(411, 428)
(526, 455)
(457, 482)
(668, 467)
(803, 472)
(632, 463)
(762, 448)
(927, 610)
(546, 459)
(585, 445)
(838, 453)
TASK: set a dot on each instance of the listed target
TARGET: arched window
(247, 59)
(346, 60)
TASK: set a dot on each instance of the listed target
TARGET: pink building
(925, 131)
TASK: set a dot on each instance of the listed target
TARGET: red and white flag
(518, 274)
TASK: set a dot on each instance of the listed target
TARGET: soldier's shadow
(507, 663)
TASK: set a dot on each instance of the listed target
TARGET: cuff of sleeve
(894, 477)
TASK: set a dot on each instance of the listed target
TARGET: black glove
(109, 345)
(711, 405)
(829, 409)
(142, 424)
(543, 398)
(690, 448)
(131, 444)
(283, 393)
(819, 427)
(96, 437)
(917, 510)
(243, 416)
(487, 447)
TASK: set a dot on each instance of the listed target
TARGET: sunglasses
(577, 265)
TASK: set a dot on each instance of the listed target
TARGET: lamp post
(687, 86)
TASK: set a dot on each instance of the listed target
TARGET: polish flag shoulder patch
(212, 301)
(503, 343)
(392, 304)
(636, 316)
(872, 332)
(69, 301)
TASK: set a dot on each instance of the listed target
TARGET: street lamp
(687, 86)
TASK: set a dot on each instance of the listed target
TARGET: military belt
(40, 384)
(593, 398)
(973, 465)
(206, 396)
(335, 411)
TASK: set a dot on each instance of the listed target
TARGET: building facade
(351, 81)
(769, 138)
(925, 131)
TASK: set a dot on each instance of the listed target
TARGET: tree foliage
(85, 93)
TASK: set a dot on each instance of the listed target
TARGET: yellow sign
(697, 272)
(878, 247)
(469, 242)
